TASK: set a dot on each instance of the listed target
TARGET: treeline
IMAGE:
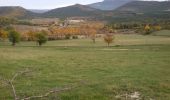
(133, 25)
(15, 37)
(8, 21)
(140, 27)
(41, 37)
(72, 32)
(53, 33)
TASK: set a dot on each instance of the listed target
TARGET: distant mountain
(145, 6)
(109, 4)
(128, 10)
(40, 11)
(141, 11)
(73, 11)
(15, 12)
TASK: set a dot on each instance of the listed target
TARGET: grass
(162, 33)
(100, 73)
(119, 40)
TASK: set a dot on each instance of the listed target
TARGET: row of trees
(88, 30)
(41, 37)
(14, 37)
(67, 32)
(136, 25)
(8, 21)
(139, 28)
(148, 29)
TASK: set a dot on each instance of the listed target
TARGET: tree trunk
(94, 40)
(39, 43)
(13, 43)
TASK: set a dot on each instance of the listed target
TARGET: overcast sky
(44, 4)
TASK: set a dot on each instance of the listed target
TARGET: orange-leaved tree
(93, 33)
(147, 29)
(3, 34)
(108, 38)
(31, 35)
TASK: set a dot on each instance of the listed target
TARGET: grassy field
(162, 33)
(140, 64)
(119, 40)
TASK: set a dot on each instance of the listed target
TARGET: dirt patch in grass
(130, 96)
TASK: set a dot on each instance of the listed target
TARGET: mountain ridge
(15, 12)
(109, 4)
(145, 6)
(134, 9)
(73, 10)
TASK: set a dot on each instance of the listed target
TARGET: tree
(147, 29)
(31, 35)
(93, 33)
(14, 37)
(41, 37)
(3, 34)
(157, 28)
(108, 38)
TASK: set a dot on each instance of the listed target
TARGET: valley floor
(135, 67)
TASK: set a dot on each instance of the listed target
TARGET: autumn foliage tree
(147, 29)
(157, 27)
(93, 33)
(89, 29)
(108, 38)
(3, 34)
(30, 35)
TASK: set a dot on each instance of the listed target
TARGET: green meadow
(132, 64)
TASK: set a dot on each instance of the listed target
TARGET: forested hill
(146, 6)
(16, 12)
(72, 11)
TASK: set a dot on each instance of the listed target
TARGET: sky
(45, 4)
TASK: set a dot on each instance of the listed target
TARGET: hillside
(136, 11)
(145, 6)
(141, 11)
(16, 12)
(109, 4)
(72, 11)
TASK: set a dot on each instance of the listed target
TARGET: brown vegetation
(108, 38)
